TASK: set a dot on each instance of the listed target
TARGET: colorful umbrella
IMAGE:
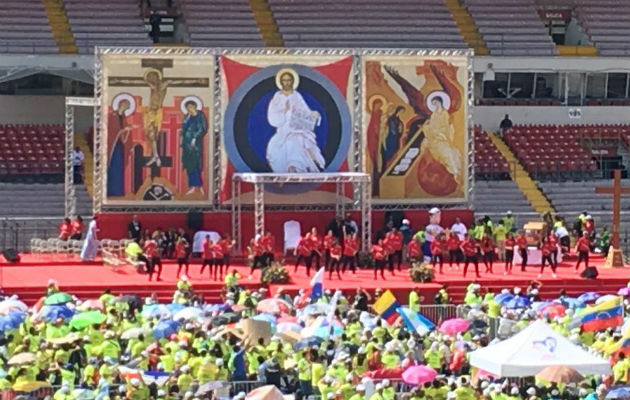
(87, 318)
(287, 318)
(175, 307)
(92, 304)
(58, 298)
(9, 306)
(307, 342)
(553, 310)
(454, 326)
(624, 291)
(211, 308)
(289, 327)
(22, 358)
(385, 373)
(503, 298)
(156, 311)
(268, 392)
(606, 297)
(188, 313)
(571, 302)
(619, 392)
(273, 306)
(418, 375)
(52, 313)
(517, 302)
(588, 297)
(165, 329)
(560, 374)
(134, 333)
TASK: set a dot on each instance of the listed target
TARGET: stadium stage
(28, 279)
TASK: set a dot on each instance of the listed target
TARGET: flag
(608, 314)
(414, 321)
(385, 307)
(332, 306)
(317, 284)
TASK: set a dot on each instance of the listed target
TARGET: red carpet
(28, 279)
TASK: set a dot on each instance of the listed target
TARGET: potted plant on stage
(421, 272)
(275, 273)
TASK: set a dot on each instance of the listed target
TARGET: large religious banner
(156, 128)
(286, 114)
(415, 127)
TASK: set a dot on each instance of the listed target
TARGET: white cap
(240, 395)
(184, 278)
(509, 212)
(386, 382)
(330, 395)
(379, 386)
(360, 387)
(135, 382)
(514, 391)
(219, 362)
(434, 211)
(555, 392)
(517, 290)
(534, 292)
(531, 391)
(349, 378)
(406, 221)
(451, 395)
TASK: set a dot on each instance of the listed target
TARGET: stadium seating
(511, 29)
(29, 150)
(24, 28)
(495, 197)
(232, 23)
(489, 163)
(110, 23)
(353, 23)
(607, 22)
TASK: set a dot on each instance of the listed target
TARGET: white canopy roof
(533, 349)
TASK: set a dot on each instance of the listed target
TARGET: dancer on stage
(521, 243)
(454, 253)
(546, 247)
(509, 244)
(181, 252)
(329, 240)
(414, 250)
(582, 247)
(335, 259)
(388, 247)
(206, 255)
(65, 229)
(553, 243)
(487, 249)
(379, 256)
(267, 242)
(303, 252)
(437, 252)
(226, 246)
(350, 250)
(217, 260)
(77, 228)
(316, 248)
(470, 247)
(395, 237)
(256, 256)
(152, 252)
(90, 245)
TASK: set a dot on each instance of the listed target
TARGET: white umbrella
(134, 333)
(188, 313)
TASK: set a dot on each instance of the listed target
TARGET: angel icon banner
(415, 124)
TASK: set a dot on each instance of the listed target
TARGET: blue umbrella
(7, 324)
(52, 313)
(17, 316)
(165, 328)
(571, 302)
(267, 318)
(588, 297)
(210, 308)
(503, 298)
(174, 307)
(619, 392)
(156, 311)
(308, 342)
(517, 302)
(539, 305)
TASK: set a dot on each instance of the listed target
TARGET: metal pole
(366, 215)
(259, 208)
(70, 195)
(339, 199)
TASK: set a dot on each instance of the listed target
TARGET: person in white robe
(90, 244)
(293, 147)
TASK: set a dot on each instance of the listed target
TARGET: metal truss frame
(70, 200)
(359, 179)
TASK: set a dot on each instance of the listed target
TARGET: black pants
(349, 261)
(399, 255)
(548, 260)
(145, 260)
(471, 259)
(454, 255)
(554, 257)
(76, 236)
(379, 265)
(435, 258)
(218, 266)
(183, 261)
(267, 258)
(258, 261)
(226, 261)
(582, 256)
(488, 260)
(327, 260)
(523, 253)
(335, 264)
(307, 263)
(316, 259)
(509, 257)
(76, 174)
(155, 262)
(207, 262)
(390, 262)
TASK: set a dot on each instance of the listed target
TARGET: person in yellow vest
(433, 357)
(414, 300)
(500, 233)
(390, 358)
(304, 374)
(64, 393)
(389, 393)
(620, 369)
(137, 391)
(184, 380)
(360, 393)
(464, 391)
(232, 278)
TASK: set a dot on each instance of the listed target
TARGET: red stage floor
(29, 278)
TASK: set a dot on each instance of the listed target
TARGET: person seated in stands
(77, 228)
(505, 124)
(65, 229)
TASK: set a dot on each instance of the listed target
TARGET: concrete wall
(41, 109)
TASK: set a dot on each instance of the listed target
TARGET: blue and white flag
(317, 284)
(415, 321)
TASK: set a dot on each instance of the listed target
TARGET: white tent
(531, 350)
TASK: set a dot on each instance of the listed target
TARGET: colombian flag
(385, 306)
(601, 316)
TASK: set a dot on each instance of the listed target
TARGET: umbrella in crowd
(11, 305)
(418, 375)
(54, 312)
(588, 297)
(188, 313)
(87, 318)
(22, 358)
(553, 310)
(58, 298)
(156, 311)
(268, 392)
(92, 304)
(454, 326)
(273, 306)
(134, 333)
(165, 329)
(618, 393)
(503, 298)
(307, 342)
(560, 374)
(517, 302)
(571, 302)
(624, 291)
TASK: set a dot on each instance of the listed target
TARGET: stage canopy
(532, 350)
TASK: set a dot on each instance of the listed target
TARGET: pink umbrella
(286, 318)
(553, 310)
(624, 291)
(454, 326)
(273, 306)
(92, 304)
(418, 375)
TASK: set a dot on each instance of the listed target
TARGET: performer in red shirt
(553, 243)
(303, 252)
(267, 241)
(226, 247)
(509, 244)
(65, 229)
(546, 248)
(316, 248)
(335, 259)
(181, 252)
(329, 240)
(589, 226)
(217, 260)
(255, 256)
(487, 249)
(151, 251)
(437, 249)
(521, 243)
(388, 247)
(206, 255)
(454, 253)
(77, 228)
(414, 250)
(583, 246)
(379, 256)
(469, 248)
(350, 250)
(395, 238)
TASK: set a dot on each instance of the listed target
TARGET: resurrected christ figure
(293, 147)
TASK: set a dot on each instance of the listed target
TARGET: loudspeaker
(194, 220)
(11, 255)
(590, 273)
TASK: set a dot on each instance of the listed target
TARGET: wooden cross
(615, 255)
